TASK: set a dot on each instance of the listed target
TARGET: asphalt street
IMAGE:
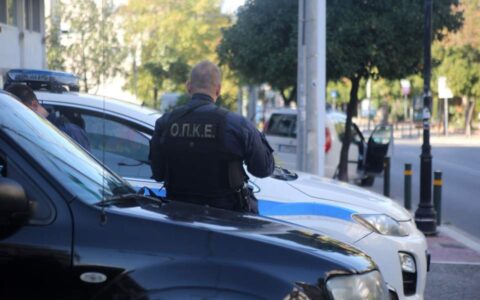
(453, 281)
(460, 164)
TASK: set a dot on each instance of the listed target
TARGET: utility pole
(240, 101)
(369, 98)
(311, 86)
(252, 103)
(425, 215)
(301, 89)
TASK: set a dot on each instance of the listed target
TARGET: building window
(8, 12)
(36, 15)
(3, 11)
(32, 15)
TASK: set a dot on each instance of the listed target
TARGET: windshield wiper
(129, 200)
(284, 174)
(138, 162)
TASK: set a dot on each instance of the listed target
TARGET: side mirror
(15, 208)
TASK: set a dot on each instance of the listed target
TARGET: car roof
(332, 114)
(123, 109)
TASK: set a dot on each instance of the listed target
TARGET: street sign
(405, 85)
(334, 94)
(444, 92)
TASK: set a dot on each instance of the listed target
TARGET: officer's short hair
(23, 92)
(205, 75)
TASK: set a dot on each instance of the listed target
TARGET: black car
(72, 229)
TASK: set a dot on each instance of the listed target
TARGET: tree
(93, 49)
(379, 38)
(55, 48)
(261, 47)
(463, 79)
(172, 36)
(456, 55)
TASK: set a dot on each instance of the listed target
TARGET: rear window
(282, 125)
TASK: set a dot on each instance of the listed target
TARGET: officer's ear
(188, 85)
(218, 89)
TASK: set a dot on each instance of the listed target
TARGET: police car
(119, 135)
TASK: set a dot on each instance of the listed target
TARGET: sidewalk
(451, 246)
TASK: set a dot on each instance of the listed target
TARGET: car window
(121, 147)
(44, 210)
(283, 125)
(69, 164)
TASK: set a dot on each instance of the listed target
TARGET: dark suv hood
(254, 229)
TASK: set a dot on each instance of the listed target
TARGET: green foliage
(93, 50)
(456, 57)
(55, 49)
(262, 45)
(171, 37)
(381, 38)
(457, 62)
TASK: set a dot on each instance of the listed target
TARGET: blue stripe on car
(275, 208)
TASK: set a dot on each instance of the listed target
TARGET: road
(460, 165)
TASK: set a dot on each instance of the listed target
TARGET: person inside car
(198, 149)
(26, 95)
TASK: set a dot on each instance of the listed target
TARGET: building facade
(22, 35)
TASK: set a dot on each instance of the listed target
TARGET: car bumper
(386, 255)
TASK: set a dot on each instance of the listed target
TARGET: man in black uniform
(198, 150)
(26, 95)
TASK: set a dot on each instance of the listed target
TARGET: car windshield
(63, 159)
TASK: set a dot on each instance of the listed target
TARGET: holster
(246, 201)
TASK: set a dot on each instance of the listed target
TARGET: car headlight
(352, 287)
(383, 224)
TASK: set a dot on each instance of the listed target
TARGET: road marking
(439, 262)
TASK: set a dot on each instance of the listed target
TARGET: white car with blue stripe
(119, 134)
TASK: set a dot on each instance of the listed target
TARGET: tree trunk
(155, 96)
(343, 165)
(468, 117)
(84, 65)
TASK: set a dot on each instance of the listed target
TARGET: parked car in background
(71, 229)
(365, 158)
(120, 133)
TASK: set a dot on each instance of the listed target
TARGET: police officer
(26, 95)
(198, 150)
